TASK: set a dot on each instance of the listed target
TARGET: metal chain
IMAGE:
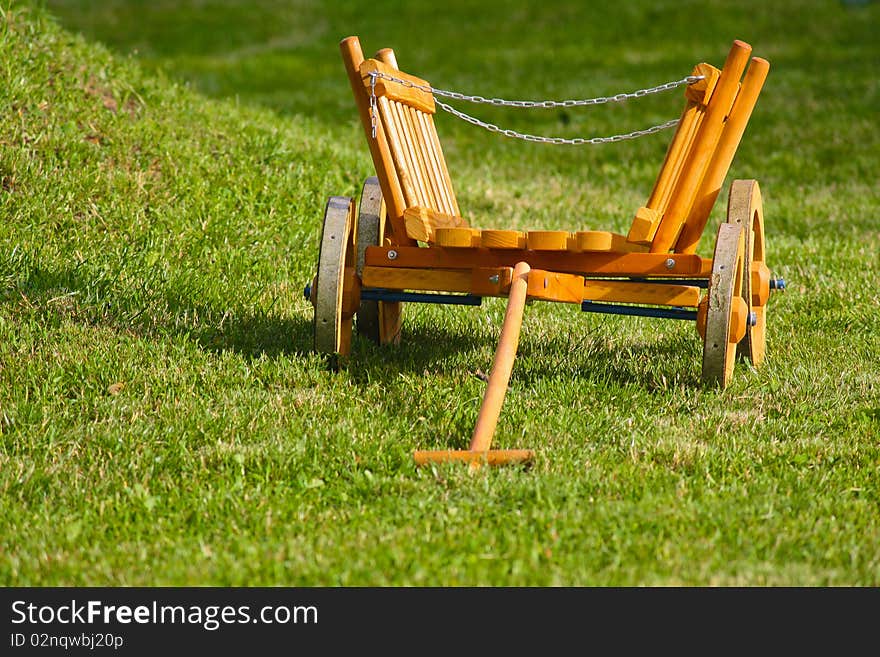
(373, 104)
(531, 104)
(577, 141)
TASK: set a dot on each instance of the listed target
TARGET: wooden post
(353, 56)
(694, 168)
(724, 152)
(496, 389)
(504, 357)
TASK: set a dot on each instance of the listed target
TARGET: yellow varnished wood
(722, 157)
(432, 198)
(644, 226)
(547, 240)
(701, 90)
(600, 240)
(413, 97)
(491, 281)
(760, 283)
(505, 353)
(413, 171)
(442, 194)
(441, 161)
(457, 237)
(702, 150)
(502, 239)
(554, 286)
(380, 150)
(399, 154)
(647, 219)
(437, 280)
(603, 264)
(423, 223)
(657, 294)
(489, 457)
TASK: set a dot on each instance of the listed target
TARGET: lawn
(164, 421)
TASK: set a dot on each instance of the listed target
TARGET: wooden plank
(680, 143)
(400, 155)
(600, 240)
(606, 264)
(437, 280)
(554, 286)
(702, 150)
(410, 154)
(380, 150)
(421, 156)
(718, 167)
(442, 162)
(657, 294)
(481, 281)
(692, 122)
(441, 193)
(422, 223)
(417, 98)
(491, 281)
(647, 218)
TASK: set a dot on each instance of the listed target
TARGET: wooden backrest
(717, 110)
(418, 191)
(406, 151)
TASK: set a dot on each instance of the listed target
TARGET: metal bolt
(777, 283)
(670, 263)
(494, 278)
(392, 255)
(753, 318)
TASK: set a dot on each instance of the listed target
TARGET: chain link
(532, 104)
(577, 141)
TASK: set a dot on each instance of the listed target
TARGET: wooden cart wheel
(722, 315)
(336, 289)
(744, 207)
(378, 321)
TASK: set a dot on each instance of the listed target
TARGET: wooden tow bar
(481, 441)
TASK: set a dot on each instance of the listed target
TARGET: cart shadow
(70, 294)
(589, 358)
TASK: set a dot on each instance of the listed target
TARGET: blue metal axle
(378, 294)
(638, 311)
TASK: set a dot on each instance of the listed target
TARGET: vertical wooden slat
(724, 153)
(437, 180)
(392, 192)
(702, 150)
(425, 160)
(399, 153)
(672, 163)
(412, 162)
(442, 161)
(420, 158)
(691, 127)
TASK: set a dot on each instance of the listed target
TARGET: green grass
(164, 422)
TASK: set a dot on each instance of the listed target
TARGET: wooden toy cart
(406, 241)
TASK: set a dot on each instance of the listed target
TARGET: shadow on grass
(583, 354)
(155, 311)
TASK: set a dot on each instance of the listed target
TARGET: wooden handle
(504, 356)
